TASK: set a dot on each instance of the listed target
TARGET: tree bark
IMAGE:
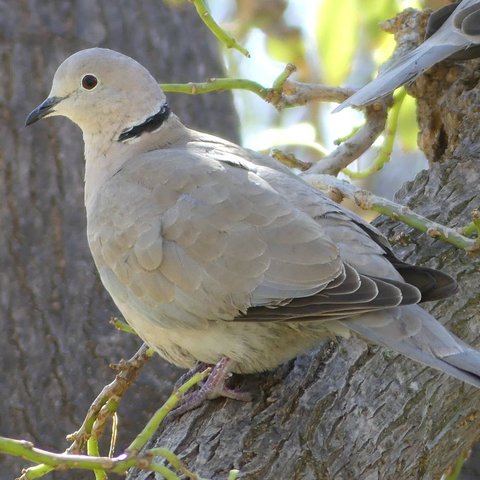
(350, 411)
(56, 343)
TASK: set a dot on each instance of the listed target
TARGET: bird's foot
(199, 367)
(213, 387)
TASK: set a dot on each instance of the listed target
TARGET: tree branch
(390, 132)
(286, 94)
(131, 458)
(111, 393)
(218, 31)
(368, 201)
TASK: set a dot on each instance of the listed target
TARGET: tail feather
(413, 332)
(466, 360)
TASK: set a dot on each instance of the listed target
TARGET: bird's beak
(44, 109)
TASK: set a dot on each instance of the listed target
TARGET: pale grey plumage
(211, 250)
(455, 33)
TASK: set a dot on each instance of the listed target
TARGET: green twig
(279, 82)
(457, 467)
(107, 411)
(273, 95)
(218, 84)
(151, 427)
(368, 201)
(65, 461)
(100, 465)
(26, 450)
(387, 147)
(174, 461)
(470, 230)
(424, 225)
(473, 228)
(122, 326)
(476, 221)
(233, 474)
(166, 473)
(340, 140)
(213, 26)
(277, 97)
(35, 472)
(94, 451)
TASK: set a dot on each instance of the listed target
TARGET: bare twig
(359, 143)
(387, 147)
(297, 93)
(129, 371)
(290, 160)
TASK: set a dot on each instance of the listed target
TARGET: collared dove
(216, 254)
(453, 31)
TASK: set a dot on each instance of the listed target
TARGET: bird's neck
(103, 158)
(106, 152)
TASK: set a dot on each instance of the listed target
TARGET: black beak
(42, 110)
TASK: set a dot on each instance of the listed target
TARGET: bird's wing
(360, 244)
(194, 235)
(459, 31)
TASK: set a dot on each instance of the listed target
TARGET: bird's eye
(89, 82)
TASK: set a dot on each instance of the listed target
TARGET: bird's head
(100, 90)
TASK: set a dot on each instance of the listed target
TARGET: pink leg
(199, 367)
(213, 387)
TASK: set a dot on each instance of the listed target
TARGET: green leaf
(336, 33)
(407, 124)
(288, 49)
(346, 26)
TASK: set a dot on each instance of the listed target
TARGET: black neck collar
(149, 125)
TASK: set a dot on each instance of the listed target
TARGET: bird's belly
(254, 347)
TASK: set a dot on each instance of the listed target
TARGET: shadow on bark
(56, 342)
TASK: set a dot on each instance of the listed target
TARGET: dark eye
(89, 82)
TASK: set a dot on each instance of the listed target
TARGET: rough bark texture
(56, 342)
(349, 411)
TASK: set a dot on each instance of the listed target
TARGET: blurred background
(330, 45)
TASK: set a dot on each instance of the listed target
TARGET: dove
(453, 31)
(219, 255)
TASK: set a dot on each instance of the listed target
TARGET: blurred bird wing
(450, 38)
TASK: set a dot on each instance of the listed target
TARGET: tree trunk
(350, 411)
(56, 342)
